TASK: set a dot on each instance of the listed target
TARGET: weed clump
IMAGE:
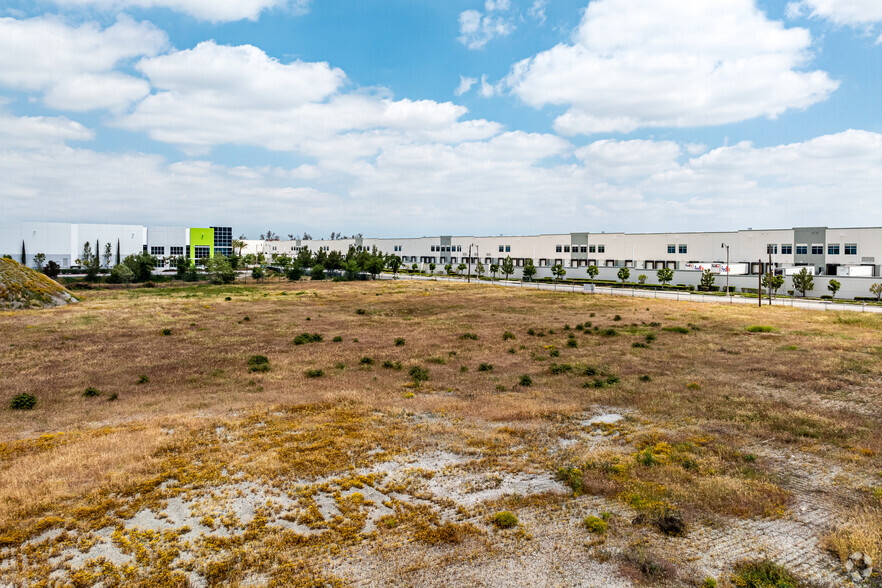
(337, 339)
(763, 574)
(572, 343)
(438, 360)
(91, 392)
(508, 335)
(526, 380)
(596, 525)
(645, 378)
(142, 379)
(360, 311)
(609, 332)
(304, 338)
(505, 519)
(618, 317)
(317, 373)
(485, 367)
(760, 329)
(166, 332)
(258, 363)
(557, 369)
(399, 341)
(392, 365)
(112, 397)
(682, 330)
(472, 336)
(418, 374)
(572, 477)
(531, 332)
(639, 345)
(23, 401)
(366, 361)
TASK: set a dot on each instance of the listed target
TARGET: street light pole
(727, 268)
(477, 254)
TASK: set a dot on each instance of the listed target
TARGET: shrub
(763, 574)
(438, 360)
(505, 519)
(317, 373)
(337, 339)
(709, 583)
(112, 397)
(166, 332)
(399, 341)
(683, 330)
(246, 319)
(485, 367)
(142, 379)
(500, 387)
(589, 371)
(508, 335)
(638, 344)
(572, 343)
(472, 336)
(91, 392)
(228, 298)
(557, 369)
(618, 317)
(579, 327)
(392, 365)
(366, 361)
(572, 477)
(531, 332)
(693, 386)
(645, 378)
(23, 401)
(418, 374)
(463, 368)
(526, 380)
(360, 311)
(304, 338)
(258, 363)
(596, 525)
(650, 337)
(554, 352)
(609, 332)
(760, 329)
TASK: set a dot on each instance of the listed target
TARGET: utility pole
(727, 270)
(770, 277)
(477, 254)
(759, 289)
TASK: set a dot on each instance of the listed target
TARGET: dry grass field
(633, 441)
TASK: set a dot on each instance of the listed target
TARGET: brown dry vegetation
(713, 394)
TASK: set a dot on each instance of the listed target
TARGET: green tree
(833, 286)
(122, 274)
(432, 267)
(257, 272)
(803, 281)
(707, 280)
(461, 268)
(118, 258)
(52, 269)
(351, 268)
(335, 261)
(317, 272)
(448, 268)
(141, 265)
(40, 259)
(664, 275)
(624, 274)
(375, 262)
(238, 244)
(220, 271)
(413, 268)
(479, 269)
(294, 273)
(772, 281)
(283, 260)
(507, 266)
(24, 257)
(86, 257)
(558, 271)
(108, 254)
(394, 263)
(592, 272)
(494, 269)
(877, 290)
(249, 259)
(529, 270)
(641, 279)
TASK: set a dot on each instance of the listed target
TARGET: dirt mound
(22, 287)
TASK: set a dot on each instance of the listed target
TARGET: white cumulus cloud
(465, 84)
(669, 63)
(477, 28)
(209, 10)
(74, 67)
(842, 12)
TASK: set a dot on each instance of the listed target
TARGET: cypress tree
(117, 252)
(23, 255)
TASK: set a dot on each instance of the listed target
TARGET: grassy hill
(22, 287)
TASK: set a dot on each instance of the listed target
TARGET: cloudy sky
(423, 117)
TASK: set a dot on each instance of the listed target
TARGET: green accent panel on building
(201, 237)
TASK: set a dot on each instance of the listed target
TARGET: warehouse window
(817, 250)
(592, 249)
(772, 248)
(851, 248)
(601, 248)
(682, 249)
(177, 250)
(672, 248)
(802, 249)
(157, 251)
(558, 248)
(566, 248)
(833, 249)
(787, 249)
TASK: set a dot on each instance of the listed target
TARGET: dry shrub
(862, 532)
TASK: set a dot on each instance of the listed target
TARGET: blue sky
(410, 117)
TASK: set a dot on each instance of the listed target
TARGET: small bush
(553, 352)
(166, 332)
(366, 361)
(526, 380)
(645, 378)
(360, 311)
(505, 519)
(258, 363)
(589, 371)
(760, 329)
(91, 392)
(557, 369)
(763, 574)
(500, 388)
(463, 368)
(485, 367)
(438, 360)
(579, 327)
(693, 386)
(609, 332)
(337, 339)
(112, 397)
(531, 332)
(418, 374)
(304, 338)
(572, 477)
(650, 337)
(399, 341)
(23, 401)
(682, 330)
(709, 583)
(227, 298)
(639, 345)
(572, 343)
(245, 319)
(508, 335)
(142, 379)
(317, 373)
(618, 317)
(472, 336)
(596, 525)
(392, 365)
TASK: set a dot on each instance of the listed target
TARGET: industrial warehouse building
(63, 242)
(827, 251)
